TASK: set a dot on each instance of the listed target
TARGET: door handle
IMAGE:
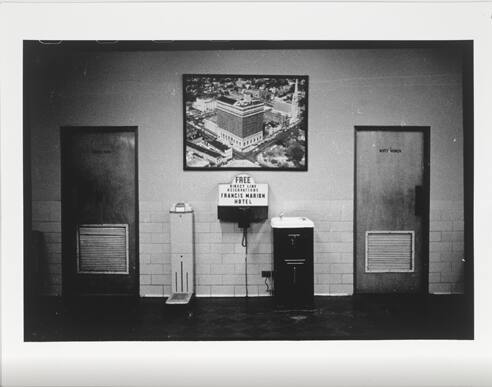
(419, 200)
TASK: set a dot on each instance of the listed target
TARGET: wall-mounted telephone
(243, 201)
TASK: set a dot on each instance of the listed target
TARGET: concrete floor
(339, 318)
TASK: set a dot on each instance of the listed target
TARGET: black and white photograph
(263, 201)
(244, 122)
(376, 226)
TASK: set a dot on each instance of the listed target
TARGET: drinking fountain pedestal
(293, 262)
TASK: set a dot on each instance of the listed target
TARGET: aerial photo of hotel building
(240, 122)
(244, 122)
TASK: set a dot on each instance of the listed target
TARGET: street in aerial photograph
(245, 122)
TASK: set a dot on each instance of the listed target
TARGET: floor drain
(298, 318)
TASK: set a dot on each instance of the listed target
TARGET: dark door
(392, 210)
(99, 211)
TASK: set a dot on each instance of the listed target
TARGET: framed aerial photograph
(245, 122)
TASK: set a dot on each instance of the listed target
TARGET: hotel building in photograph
(240, 122)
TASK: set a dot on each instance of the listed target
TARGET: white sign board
(243, 191)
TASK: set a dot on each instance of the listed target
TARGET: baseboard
(445, 293)
(333, 294)
(244, 295)
(231, 295)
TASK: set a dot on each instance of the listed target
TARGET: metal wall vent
(102, 248)
(389, 251)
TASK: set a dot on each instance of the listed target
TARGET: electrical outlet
(266, 273)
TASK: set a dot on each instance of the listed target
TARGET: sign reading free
(243, 191)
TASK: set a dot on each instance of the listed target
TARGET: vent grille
(389, 251)
(102, 249)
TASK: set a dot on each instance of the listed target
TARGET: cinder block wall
(446, 247)
(346, 88)
(46, 218)
(219, 255)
